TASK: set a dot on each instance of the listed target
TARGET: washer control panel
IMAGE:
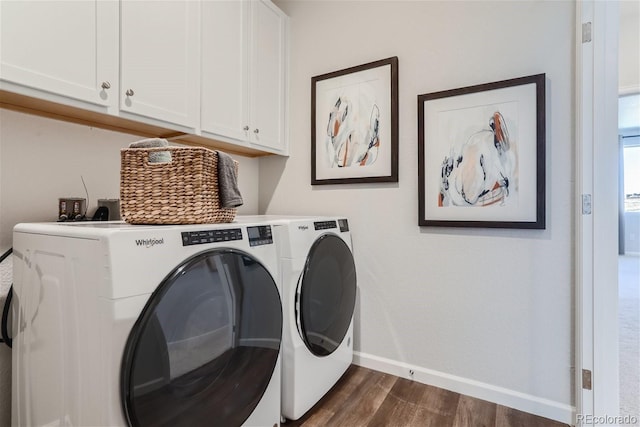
(210, 236)
(260, 235)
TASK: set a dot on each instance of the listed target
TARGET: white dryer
(319, 288)
(118, 324)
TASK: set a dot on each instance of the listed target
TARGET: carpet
(629, 334)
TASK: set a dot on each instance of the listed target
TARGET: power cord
(4, 330)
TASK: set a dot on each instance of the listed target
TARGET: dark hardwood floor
(364, 397)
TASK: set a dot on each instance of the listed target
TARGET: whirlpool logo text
(147, 243)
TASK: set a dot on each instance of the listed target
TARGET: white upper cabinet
(224, 69)
(244, 74)
(209, 72)
(160, 60)
(267, 81)
(65, 49)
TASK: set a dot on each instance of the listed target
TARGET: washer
(118, 324)
(319, 288)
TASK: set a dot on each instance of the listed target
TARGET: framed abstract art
(354, 124)
(481, 155)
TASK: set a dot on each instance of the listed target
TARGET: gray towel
(157, 156)
(230, 196)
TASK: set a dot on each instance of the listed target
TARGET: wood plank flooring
(364, 397)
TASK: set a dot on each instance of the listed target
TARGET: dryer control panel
(324, 225)
(328, 225)
(210, 236)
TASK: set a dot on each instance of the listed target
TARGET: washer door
(326, 295)
(205, 346)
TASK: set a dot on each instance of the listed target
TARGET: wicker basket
(183, 191)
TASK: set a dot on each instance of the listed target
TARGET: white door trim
(596, 232)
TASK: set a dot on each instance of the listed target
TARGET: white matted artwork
(481, 155)
(354, 124)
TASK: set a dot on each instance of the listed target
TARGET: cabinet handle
(106, 85)
(129, 92)
(246, 128)
(256, 131)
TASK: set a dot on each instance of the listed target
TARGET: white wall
(42, 159)
(482, 311)
(629, 45)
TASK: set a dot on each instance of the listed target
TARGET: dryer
(319, 287)
(118, 324)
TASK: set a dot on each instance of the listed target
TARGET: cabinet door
(159, 60)
(67, 48)
(224, 69)
(268, 76)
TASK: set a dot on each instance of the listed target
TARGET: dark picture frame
(354, 124)
(481, 155)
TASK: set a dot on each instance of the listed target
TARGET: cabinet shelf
(52, 110)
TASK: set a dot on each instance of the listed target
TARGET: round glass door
(205, 346)
(326, 295)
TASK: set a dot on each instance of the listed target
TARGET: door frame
(596, 245)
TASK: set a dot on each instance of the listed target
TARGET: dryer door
(205, 346)
(326, 295)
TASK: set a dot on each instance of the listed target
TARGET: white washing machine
(117, 324)
(319, 288)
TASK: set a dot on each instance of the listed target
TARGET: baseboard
(502, 396)
(628, 90)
